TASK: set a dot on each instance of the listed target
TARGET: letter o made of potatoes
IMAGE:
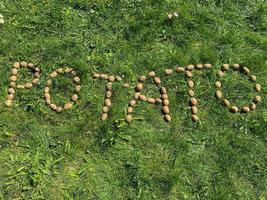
(233, 108)
(74, 97)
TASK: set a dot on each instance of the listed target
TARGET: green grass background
(73, 155)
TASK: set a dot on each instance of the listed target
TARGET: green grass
(73, 155)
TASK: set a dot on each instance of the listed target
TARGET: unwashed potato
(68, 106)
(180, 69)
(139, 87)
(195, 118)
(8, 103)
(104, 116)
(152, 74)
(193, 101)
(129, 118)
(167, 118)
(157, 80)
(168, 71)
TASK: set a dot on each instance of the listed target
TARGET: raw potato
(195, 118)
(61, 70)
(109, 86)
(219, 94)
(143, 97)
(137, 95)
(258, 87)
(180, 69)
(142, 78)
(151, 100)
(11, 91)
(53, 106)
(8, 103)
(190, 84)
(207, 65)
(158, 100)
(48, 101)
(236, 66)
(67, 106)
(16, 65)
(253, 78)
(165, 110)
(49, 82)
(168, 71)
(164, 96)
(191, 93)
(199, 66)
(193, 101)
(190, 67)
(23, 64)
(253, 106)
(105, 109)
(189, 74)
(68, 70)
(226, 103)
(59, 109)
(126, 85)
(225, 67)
(76, 79)
(129, 118)
(20, 86)
(14, 71)
(118, 78)
(257, 99)
(77, 88)
(104, 76)
(130, 109)
(245, 109)
(12, 84)
(157, 80)
(170, 16)
(47, 96)
(37, 74)
(163, 90)
(234, 109)
(74, 97)
(74, 73)
(218, 84)
(35, 81)
(167, 118)
(111, 78)
(139, 87)
(246, 70)
(166, 102)
(47, 89)
(96, 75)
(152, 74)
(104, 116)
(220, 73)
(132, 103)
(108, 102)
(194, 110)
(53, 74)
(30, 65)
(28, 85)
(10, 96)
(37, 69)
(13, 78)
(108, 94)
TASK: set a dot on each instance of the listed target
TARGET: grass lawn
(74, 155)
